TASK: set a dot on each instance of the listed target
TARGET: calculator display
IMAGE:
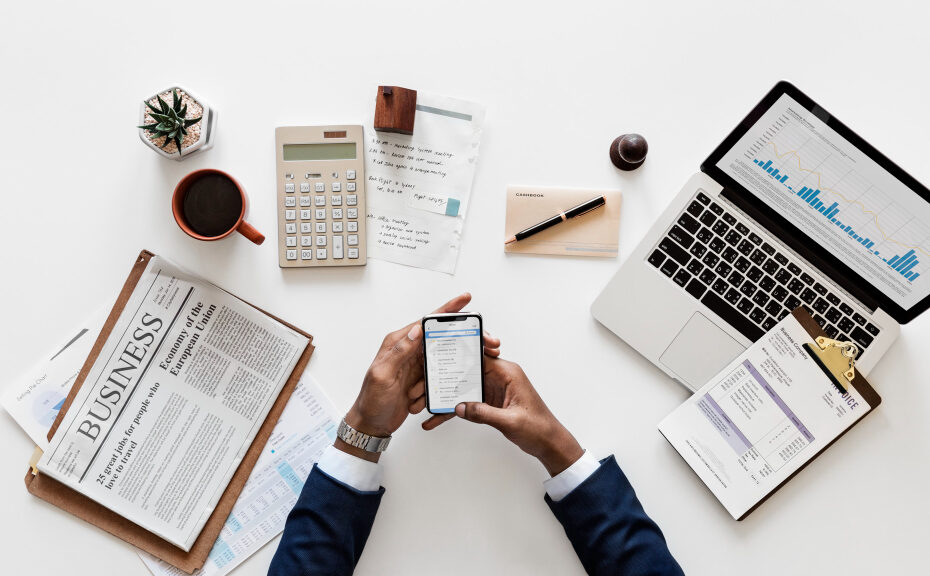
(303, 152)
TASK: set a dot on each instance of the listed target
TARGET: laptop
(792, 209)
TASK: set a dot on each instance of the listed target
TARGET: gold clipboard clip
(837, 359)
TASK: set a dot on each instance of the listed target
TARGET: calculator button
(337, 247)
(350, 187)
(289, 187)
(306, 254)
(291, 254)
(305, 227)
(290, 228)
(321, 213)
(353, 239)
(321, 240)
(352, 226)
(304, 200)
(337, 212)
(321, 227)
(353, 253)
(306, 240)
(290, 201)
(304, 187)
(305, 214)
(350, 174)
(335, 200)
(337, 226)
(337, 187)
(291, 241)
(352, 212)
(320, 201)
(319, 187)
(290, 214)
(321, 253)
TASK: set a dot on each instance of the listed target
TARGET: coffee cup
(210, 205)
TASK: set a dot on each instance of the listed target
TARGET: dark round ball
(628, 152)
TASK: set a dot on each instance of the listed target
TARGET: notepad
(593, 234)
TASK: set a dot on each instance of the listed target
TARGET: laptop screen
(836, 194)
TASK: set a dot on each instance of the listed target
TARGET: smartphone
(453, 356)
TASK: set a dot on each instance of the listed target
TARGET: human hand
(513, 406)
(393, 386)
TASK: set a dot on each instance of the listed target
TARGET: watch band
(368, 443)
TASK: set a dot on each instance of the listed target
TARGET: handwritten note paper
(418, 186)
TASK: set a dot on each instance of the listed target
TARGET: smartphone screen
(453, 361)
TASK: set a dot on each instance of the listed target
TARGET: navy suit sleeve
(609, 529)
(326, 531)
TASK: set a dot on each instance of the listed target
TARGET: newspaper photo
(172, 403)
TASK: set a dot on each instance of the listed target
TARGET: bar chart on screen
(870, 218)
(839, 196)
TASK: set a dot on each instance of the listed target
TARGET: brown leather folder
(83, 507)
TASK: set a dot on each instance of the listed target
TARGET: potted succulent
(179, 129)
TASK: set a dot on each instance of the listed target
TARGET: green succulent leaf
(147, 126)
(152, 108)
(183, 111)
(174, 99)
(163, 104)
(177, 141)
(192, 121)
(161, 117)
(166, 143)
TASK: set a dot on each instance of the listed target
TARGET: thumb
(482, 413)
(409, 344)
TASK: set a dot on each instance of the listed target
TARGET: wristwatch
(353, 437)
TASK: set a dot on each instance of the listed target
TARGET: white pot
(207, 127)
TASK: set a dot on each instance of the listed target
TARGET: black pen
(578, 210)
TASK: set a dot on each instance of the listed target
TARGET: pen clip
(601, 205)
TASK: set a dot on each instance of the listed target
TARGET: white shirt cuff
(351, 470)
(561, 485)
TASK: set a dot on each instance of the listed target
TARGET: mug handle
(250, 232)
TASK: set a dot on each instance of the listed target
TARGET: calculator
(321, 196)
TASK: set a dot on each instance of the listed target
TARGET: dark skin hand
(514, 407)
(394, 387)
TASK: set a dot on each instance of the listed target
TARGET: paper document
(419, 185)
(35, 399)
(761, 419)
(172, 403)
(307, 426)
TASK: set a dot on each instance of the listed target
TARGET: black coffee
(212, 205)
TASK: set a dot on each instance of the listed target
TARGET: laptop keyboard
(713, 255)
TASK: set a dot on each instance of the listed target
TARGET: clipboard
(707, 435)
(857, 381)
(90, 511)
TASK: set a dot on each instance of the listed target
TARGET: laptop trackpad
(700, 351)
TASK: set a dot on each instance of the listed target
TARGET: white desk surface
(82, 195)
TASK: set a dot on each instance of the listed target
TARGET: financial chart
(839, 197)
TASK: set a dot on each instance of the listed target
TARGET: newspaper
(307, 426)
(173, 402)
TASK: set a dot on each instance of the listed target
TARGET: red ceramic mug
(210, 205)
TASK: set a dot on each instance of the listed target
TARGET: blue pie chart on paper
(46, 406)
